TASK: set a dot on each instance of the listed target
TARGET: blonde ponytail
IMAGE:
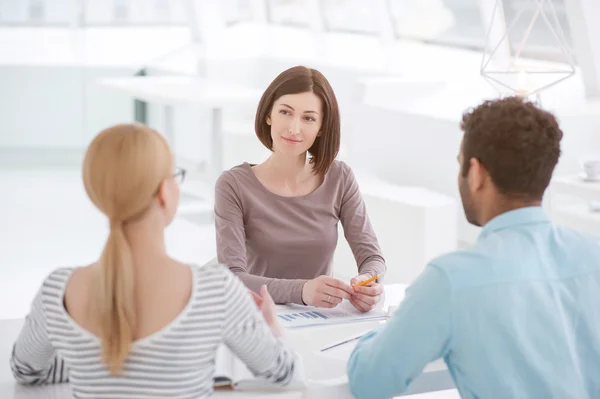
(123, 169)
(115, 299)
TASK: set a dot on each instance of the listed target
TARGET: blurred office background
(403, 71)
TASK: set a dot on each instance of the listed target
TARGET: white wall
(57, 107)
(410, 149)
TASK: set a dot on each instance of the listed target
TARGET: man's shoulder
(462, 260)
(576, 244)
(575, 237)
(467, 267)
(511, 256)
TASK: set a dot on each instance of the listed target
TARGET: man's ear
(477, 175)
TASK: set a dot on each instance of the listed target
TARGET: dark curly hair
(517, 142)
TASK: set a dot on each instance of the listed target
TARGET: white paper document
(294, 316)
(231, 371)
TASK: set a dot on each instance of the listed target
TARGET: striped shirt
(178, 361)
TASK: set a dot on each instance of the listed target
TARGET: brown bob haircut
(517, 142)
(300, 79)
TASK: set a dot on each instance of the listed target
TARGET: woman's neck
(287, 169)
(147, 243)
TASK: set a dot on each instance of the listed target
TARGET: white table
(326, 377)
(189, 91)
(575, 185)
(576, 215)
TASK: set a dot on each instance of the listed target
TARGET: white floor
(47, 221)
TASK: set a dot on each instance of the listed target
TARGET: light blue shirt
(515, 316)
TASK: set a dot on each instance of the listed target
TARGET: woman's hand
(366, 297)
(325, 292)
(268, 310)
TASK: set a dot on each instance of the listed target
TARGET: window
(236, 11)
(541, 42)
(92, 12)
(452, 22)
(289, 12)
(460, 23)
(356, 16)
(134, 12)
(34, 12)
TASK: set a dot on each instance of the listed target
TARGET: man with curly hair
(518, 314)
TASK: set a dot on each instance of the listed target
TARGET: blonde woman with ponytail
(137, 323)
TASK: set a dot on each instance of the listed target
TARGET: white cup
(591, 168)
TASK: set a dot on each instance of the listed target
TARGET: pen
(366, 282)
(342, 343)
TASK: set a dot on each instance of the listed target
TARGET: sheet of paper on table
(294, 316)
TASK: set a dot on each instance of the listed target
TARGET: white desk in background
(189, 91)
(326, 377)
(575, 210)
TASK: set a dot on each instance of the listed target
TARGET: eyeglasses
(179, 175)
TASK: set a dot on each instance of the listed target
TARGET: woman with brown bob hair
(277, 222)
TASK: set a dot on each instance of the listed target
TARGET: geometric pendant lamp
(504, 65)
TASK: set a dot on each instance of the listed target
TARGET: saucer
(588, 179)
(594, 206)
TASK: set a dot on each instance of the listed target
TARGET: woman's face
(295, 122)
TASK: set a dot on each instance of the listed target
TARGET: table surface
(183, 90)
(578, 181)
(326, 377)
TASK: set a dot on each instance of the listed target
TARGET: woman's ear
(162, 194)
(268, 120)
